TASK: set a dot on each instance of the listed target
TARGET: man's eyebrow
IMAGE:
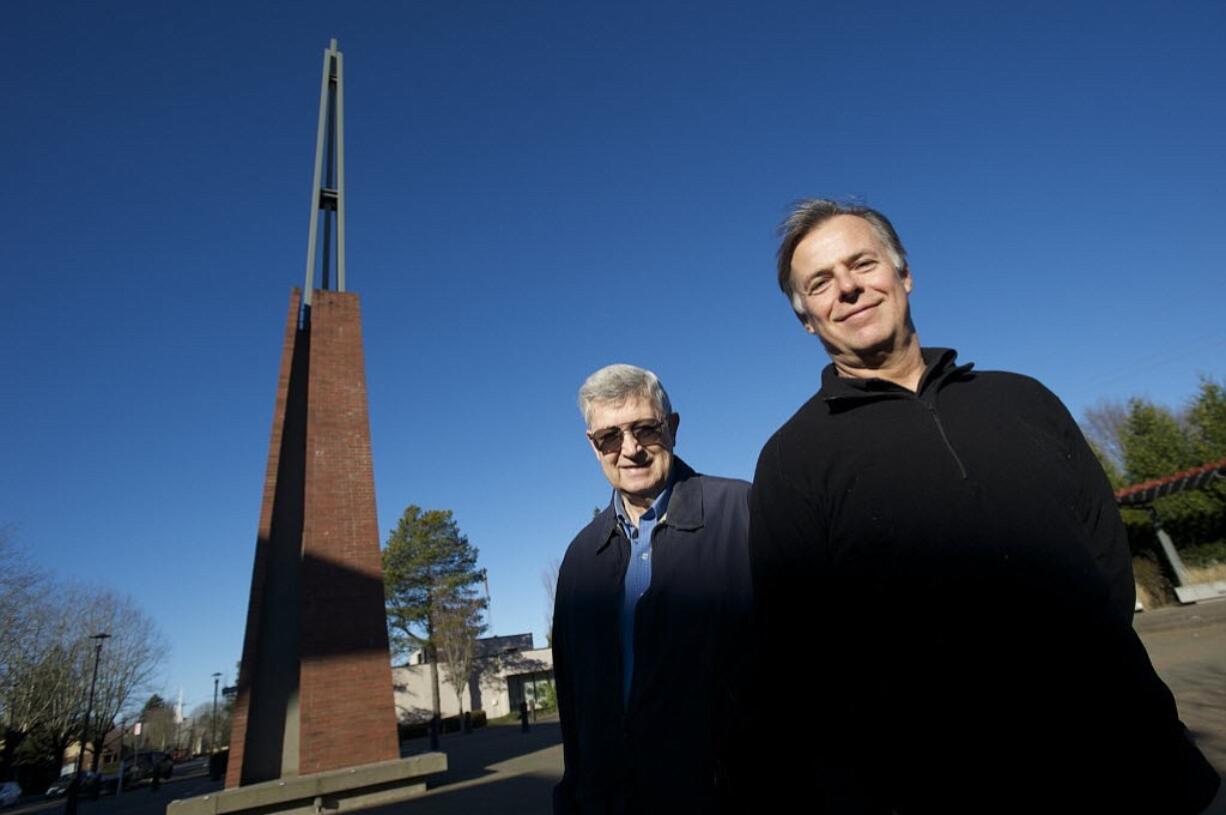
(850, 260)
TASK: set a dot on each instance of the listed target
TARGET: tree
(428, 567)
(47, 662)
(42, 660)
(1154, 442)
(1103, 427)
(1139, 441)
(158, 726)
(1207, 420)
(205, 728)
(458, 625)
(549, 579)
(45, 697)
(129, 660)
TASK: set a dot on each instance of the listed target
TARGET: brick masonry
(318, 520)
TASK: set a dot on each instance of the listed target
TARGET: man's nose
(849, 287)
(630, 445)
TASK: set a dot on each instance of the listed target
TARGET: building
(506, 671)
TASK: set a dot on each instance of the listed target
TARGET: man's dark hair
(807, 215)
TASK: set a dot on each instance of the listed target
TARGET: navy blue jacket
(668, 751)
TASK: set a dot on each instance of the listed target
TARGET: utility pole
(74, 789)
(213, 723)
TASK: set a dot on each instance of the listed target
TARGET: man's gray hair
(807, 215)
(617, 383)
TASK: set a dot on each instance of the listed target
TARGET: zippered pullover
(954, 560)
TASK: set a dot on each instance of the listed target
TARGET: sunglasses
(609, 440)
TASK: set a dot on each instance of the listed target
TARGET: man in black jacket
(652, 606)
(947, 545)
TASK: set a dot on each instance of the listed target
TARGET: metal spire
(328, 190)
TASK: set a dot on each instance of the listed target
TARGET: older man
(651, 613)
(944, 544)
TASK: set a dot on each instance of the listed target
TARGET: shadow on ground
(483, 752)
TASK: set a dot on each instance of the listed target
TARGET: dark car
(10, 792)
(144, 766)
(90, 784)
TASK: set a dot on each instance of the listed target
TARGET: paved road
(500, 771)
(1188, 648)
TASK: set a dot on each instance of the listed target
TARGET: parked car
(10, 791)
(90, 783)
(143, 766)
(59, 786)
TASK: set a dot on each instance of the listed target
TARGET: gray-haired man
(652, 605)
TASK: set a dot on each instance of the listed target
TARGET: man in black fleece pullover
(946, 545)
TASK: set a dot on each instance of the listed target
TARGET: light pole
(213, 723)
(70, 804)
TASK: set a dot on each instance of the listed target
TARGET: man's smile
(859, 311)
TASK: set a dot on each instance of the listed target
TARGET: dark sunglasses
(609, 440)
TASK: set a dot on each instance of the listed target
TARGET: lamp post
(70, 804)
(213, 723)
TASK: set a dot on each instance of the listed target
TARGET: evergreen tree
(1207, 421)
(428, 568)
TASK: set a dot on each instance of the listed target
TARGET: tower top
(328, 188)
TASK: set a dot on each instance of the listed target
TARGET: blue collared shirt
(638, 573)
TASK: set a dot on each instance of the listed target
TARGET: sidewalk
(497, 770)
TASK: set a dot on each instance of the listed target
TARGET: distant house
(507, 671)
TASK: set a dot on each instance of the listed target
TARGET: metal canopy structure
(1142, 496)
(328, 189)
(1150, 491)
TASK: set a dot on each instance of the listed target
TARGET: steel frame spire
(328, 189)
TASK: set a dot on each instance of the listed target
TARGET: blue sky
(536, 190)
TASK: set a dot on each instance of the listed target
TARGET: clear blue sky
(537, 190)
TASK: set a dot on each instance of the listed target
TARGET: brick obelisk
(315, 685)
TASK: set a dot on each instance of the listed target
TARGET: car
(144, 766)
(59, 786)
(91, 784)
(10, 791)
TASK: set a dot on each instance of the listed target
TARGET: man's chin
(642, 490)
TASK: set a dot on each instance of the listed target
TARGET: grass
(1206, 574)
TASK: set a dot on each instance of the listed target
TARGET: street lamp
(70, 804)
(213, 723)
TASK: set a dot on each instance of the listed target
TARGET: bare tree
(549, 579)
(48, 698)
(158, 727)
(21, 593)
(39, 662)
(206, 728)
(1104, 425)
(47, 658)
(457, 626)
(129, 661)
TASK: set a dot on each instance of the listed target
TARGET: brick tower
(315, 686)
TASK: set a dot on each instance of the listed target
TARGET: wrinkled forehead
(613, 413)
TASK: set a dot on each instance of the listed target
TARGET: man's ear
(591, 445)
(674, 422)
(908, 282)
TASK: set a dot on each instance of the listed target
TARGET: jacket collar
(684, 507)
(938, 368)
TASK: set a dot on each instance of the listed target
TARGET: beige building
(506, 672)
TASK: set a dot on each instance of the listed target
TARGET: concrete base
(1201, 591)
(335, 791)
